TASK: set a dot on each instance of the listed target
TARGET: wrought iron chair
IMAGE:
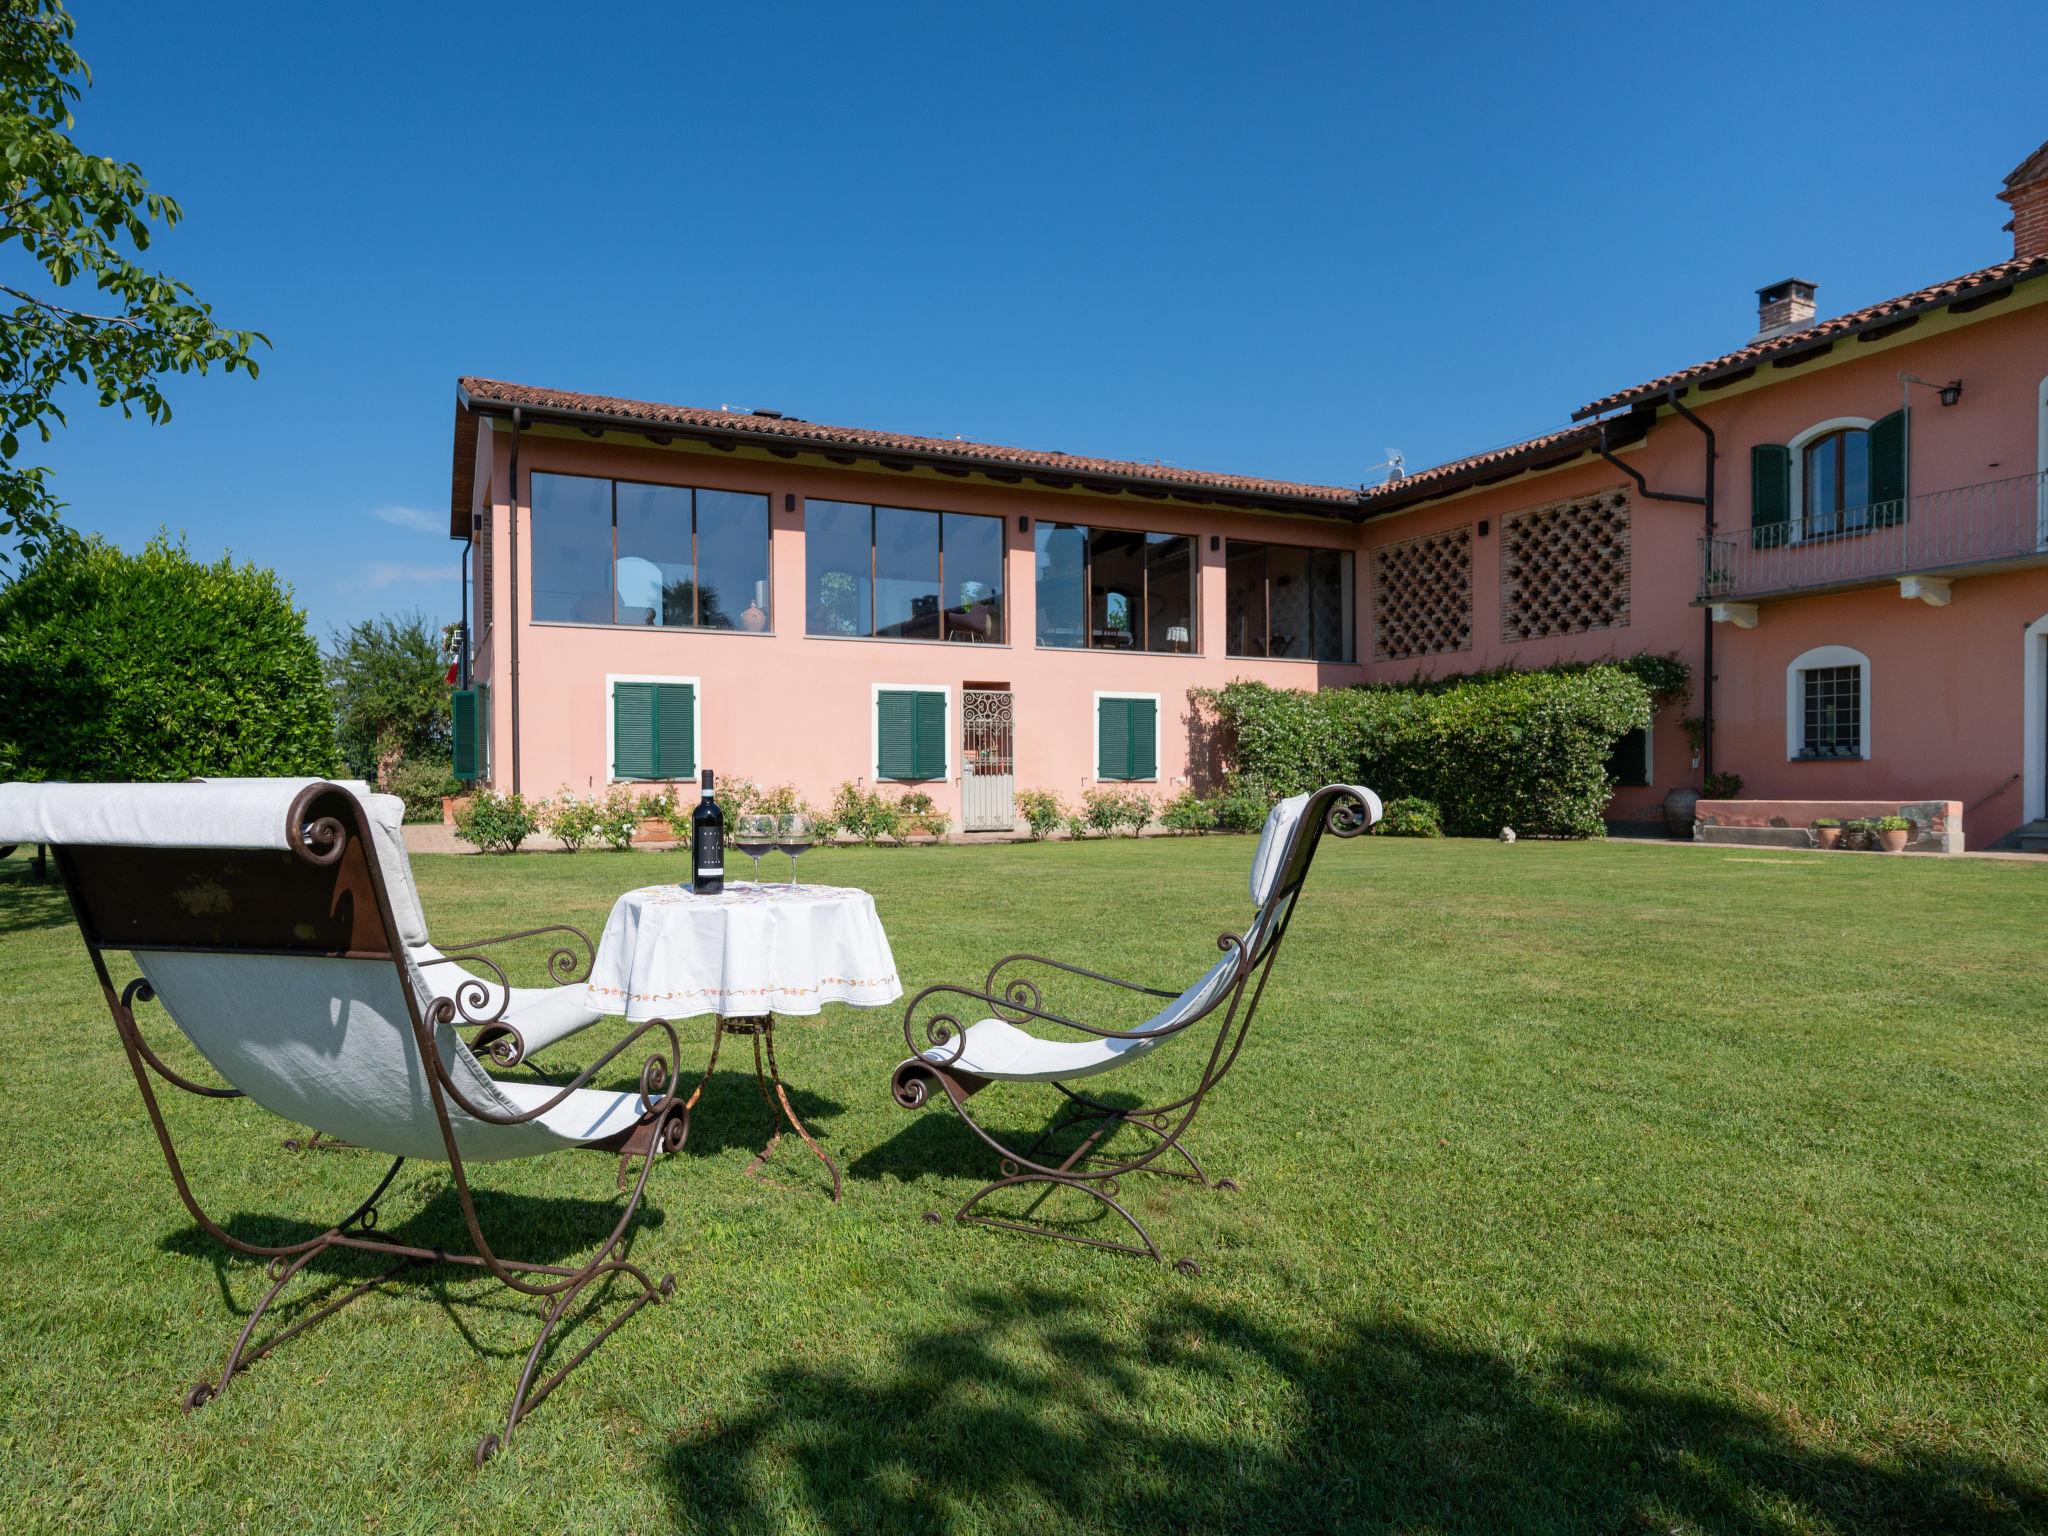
(266, 917)
(963, 1061)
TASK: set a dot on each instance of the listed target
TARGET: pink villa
(1840, 524)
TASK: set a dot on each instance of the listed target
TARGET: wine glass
(794, 833)
(755, 836)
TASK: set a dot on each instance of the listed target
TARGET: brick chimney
(2026, 191)
(1782, 307)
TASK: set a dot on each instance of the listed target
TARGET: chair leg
(527, 1396)
(241, 1356)
(966, 1215)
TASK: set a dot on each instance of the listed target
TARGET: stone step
(2033, 837)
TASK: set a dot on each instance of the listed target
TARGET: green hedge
(153, 666)
(1526, 750)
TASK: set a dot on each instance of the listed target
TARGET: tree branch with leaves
(71, 218)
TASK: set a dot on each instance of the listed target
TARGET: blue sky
(1276, 240)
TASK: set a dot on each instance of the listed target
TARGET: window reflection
(653, 572)
(900, 573)
(625, 552)
(572, 549)
(972, 549)
(1115, 588)
(906, 574)
(732, 560)
(1282, 600)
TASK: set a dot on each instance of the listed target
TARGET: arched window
(1835, 477)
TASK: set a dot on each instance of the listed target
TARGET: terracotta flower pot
(1895, 842)
(1826, 837)
(452, 806)
(653, 829)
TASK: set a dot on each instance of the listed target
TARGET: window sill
(1116, 650)
(649, 629)
(964, 645)
(1802, 757)
(1298, 661)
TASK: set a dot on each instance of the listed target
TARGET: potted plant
(1722, 786)
(1827, 832)
(1893, 831)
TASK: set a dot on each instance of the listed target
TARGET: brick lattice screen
(1422, 596)
(1564, 568)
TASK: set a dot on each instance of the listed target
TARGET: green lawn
(1584, 1188)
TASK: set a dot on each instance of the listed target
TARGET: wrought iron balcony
(1941, 534)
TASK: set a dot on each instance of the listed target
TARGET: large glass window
(1115, 589)
(1837, 489)
(572, 549)
(625, 552)
(1284, 600)
(899, 573)
(732, 560)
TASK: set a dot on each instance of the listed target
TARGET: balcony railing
(1953, 532)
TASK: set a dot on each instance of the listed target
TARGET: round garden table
(744, 955)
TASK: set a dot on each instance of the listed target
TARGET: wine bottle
(707, 844)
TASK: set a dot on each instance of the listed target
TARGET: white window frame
(1797, 448)
(1095, 737)
(875, 692)
(1795, 697)
(2034, 722)
(610, 724)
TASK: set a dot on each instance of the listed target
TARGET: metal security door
(988, 760)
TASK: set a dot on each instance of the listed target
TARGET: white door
(988, 763)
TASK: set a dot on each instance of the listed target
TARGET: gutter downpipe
(512, 595)
(1706, 503)
(462, 675)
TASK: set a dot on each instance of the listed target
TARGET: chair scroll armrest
(140, 991)
(564, 964)
(659, 1074)
(1022, 992)
(943, 1029)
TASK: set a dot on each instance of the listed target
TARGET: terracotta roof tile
(812, 435)
(1969, 284)
(1567, 442)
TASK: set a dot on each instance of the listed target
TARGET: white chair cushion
(997, 1049)
(588, 1114)
(542, 1015)
(1272, 850)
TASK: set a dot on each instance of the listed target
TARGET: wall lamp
(1948, 393)
(1023, 524)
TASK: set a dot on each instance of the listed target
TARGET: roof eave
(1809, 337)
(789, 445)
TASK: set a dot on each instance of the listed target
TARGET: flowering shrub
(1042, 812)
(571, 821)
(1188, 812)
(497, 823)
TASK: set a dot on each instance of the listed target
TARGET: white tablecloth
(753, 949)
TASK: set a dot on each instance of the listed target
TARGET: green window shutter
(462, 710)
(1112, 739)
(675, 731)
(930, 744)
(1888, 470)
(896, 734)
(633, 755)
(1770, 495)
(1144, 729)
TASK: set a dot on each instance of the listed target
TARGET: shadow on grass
(1027, 1414)
(732, 1115)
(28, 905)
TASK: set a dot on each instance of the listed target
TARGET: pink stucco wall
(786, 707)
(1946, 683)
(1947, 717)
